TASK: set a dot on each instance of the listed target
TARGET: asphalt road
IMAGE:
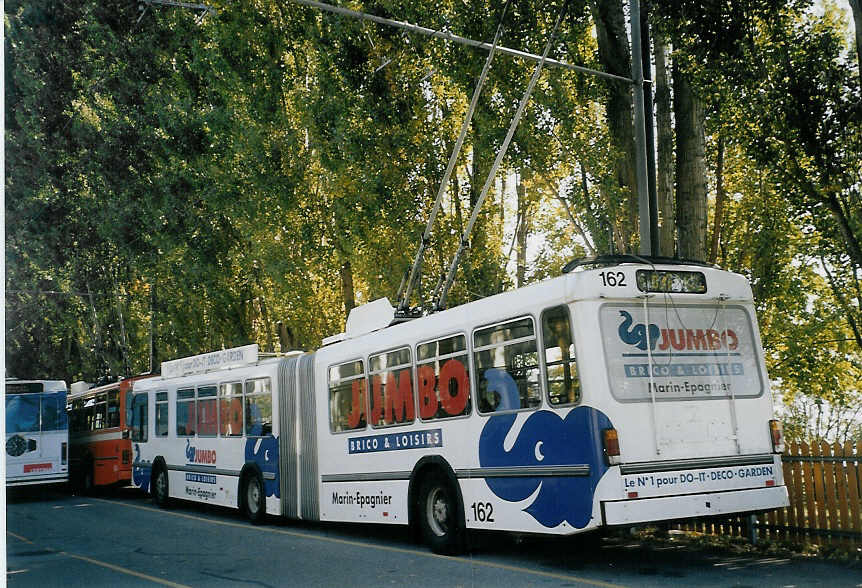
(120, 539)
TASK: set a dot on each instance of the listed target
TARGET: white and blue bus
(37, 432)
(621, 393)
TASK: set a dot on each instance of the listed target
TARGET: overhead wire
(440, 301)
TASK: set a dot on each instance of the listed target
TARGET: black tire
(160, 489)
(254, 498)
(439, 521)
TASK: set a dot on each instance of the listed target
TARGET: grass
(741, 546)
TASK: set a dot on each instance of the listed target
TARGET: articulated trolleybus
(618, 394)
(37, 432)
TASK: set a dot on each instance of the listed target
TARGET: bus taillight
(777, 435)
(612, 446)
(63, 453)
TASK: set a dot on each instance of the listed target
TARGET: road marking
(415, 552)
(103, 564)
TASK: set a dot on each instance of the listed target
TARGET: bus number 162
(483, 512)
(613, 278)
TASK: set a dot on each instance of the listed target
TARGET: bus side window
(564, 386)
(443, 378)
(113, 409)
(391, 397)
(258, 407)
(186, 418)
(207, 408)
(507, 366)
(230, 409)
(347, 397)
(162, 426)
(99, 413)
(140, 419)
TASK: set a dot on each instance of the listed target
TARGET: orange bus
(100, 448)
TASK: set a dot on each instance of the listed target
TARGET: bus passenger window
(347, 397)
(443, 378)
(186, 418)
(139, 417)
(161, 414)
(258, 407)
(507, 366)
(207, 411)
(99, 412)
(391, 388)
(564, 387)
(230, 409)
(113, 409)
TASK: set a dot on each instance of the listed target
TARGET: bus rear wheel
(254, 499)
(438, 516)
(161, 493)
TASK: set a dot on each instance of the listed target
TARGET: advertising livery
(618, 395)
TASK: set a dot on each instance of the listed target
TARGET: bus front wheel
(161, 492)
(254, 499)
(438, 516)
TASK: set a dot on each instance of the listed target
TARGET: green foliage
(226, 177)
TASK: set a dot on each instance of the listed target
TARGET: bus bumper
(667, 508)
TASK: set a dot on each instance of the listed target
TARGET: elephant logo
(264, 452)
(637, 335)
(140, 474)
(546, 439)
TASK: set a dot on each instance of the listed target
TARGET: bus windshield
(22, 413)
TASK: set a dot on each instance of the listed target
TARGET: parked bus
(101, 450)
(618, 394)
(37, 432)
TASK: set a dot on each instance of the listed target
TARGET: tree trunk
(615, 57)
(856, 7)
(264, 315)
(664, 174)
(347, 293)
(154, 352)
(521, 232)
(285, 337)
(690, 169)
(720, 198)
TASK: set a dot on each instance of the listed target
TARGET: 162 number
(613, 279)
(483, 512)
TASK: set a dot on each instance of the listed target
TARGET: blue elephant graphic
(636, 335)
(546, 439)
(264, 452)
(140, 473)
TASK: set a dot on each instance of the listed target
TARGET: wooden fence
(825, 486)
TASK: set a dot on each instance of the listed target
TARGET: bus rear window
(687, 352)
